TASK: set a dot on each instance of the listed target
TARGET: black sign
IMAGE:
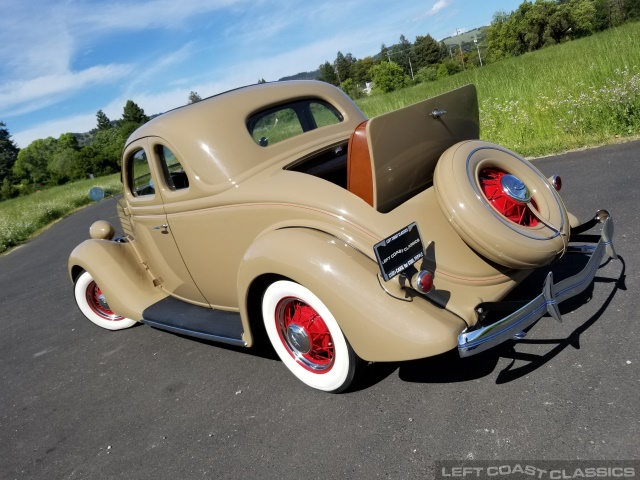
(399, 251)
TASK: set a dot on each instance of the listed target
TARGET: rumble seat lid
(406, 144)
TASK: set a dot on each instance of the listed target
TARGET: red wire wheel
(99, 305)
(94, 306)
(307, 338)
(490, 180)
(501, 205)
(305, 335)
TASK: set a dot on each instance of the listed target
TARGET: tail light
(556, 182)
(422, 281)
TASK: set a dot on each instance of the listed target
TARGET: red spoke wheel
(98, 304)
(501, 205)
(305, 334)
(491, 183)
(307, 337)
(94, 306)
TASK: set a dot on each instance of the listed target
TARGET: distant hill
(466, 37)
(303, 76)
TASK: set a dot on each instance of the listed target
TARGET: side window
(324, 114)
(278, 123)
(140, 180)
(276, 126)
(174, 174)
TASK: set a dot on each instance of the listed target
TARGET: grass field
(23, 217)
(582, 93)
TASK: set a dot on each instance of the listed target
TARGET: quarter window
(140, 179)
(174, 174)
(279, 123)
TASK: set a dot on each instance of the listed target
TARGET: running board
(184, 318)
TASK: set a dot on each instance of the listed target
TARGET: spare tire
(501, 205)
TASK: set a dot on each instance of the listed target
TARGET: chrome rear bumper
(511, 327)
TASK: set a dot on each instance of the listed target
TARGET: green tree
(427, 51)
(103, 121)
(602, 20)
(132, 113)
(448, 67)
(194, 97)
(8, 153)
(350, 87)
(389, 76)
(384, 53)
(361, 70)
(33, 161)
(502, 37)
(110, 144)
(62, 159)
(328, 74)
(262, 80)
(401, 54)
(582, 16)
(427, 74)
(343, 66)
(632, 9)
(8, 190)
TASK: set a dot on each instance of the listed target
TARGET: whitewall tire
(94, 306)
(307, 337)
(468, 182)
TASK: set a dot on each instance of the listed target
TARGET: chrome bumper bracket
(483, 337)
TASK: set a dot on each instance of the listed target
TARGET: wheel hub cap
(515, 188)
(508, 195)
(103, 302)
(305, 335)
(298, 338)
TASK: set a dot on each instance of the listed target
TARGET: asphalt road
(77, 401)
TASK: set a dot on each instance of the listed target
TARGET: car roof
(212, 137)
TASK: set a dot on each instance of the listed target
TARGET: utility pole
(460, 45)
(408, 56)
(475, 40)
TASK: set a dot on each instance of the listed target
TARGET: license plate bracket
(399, 251)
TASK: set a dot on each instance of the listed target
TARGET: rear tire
(307, 337)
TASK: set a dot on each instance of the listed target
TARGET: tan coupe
(280, 208)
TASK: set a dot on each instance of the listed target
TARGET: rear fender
(121, 276)
(378, 326)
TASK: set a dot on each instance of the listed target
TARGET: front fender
(378, 326)
(121, 276)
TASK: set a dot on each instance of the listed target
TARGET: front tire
(307, 337)
(94, 306)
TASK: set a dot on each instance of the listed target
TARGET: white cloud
(439, 6)
(142, 15)
(32, 94)
(55, 128)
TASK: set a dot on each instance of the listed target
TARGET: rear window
(275, 124)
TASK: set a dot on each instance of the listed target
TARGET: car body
(281, 209)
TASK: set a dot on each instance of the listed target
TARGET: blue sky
(62, 61)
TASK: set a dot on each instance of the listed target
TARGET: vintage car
(280, 212)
